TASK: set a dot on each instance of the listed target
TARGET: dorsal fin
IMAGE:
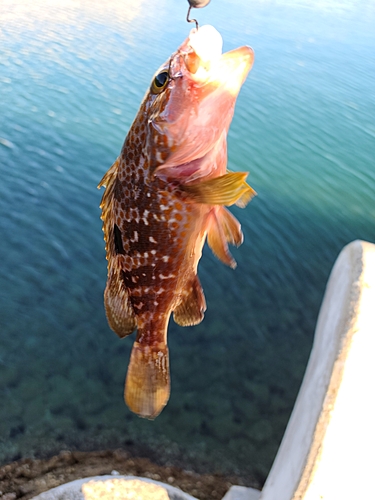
(106, 204)
(190, 310)
(119, 311)
(120, 314)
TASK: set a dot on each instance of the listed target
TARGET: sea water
(72, 75)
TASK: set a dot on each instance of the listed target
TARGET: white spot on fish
(163, 277)
(135, 237)
(152, 239)
(165, 258)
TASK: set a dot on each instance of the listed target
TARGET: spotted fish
(165, 194)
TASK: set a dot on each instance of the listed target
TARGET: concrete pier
(328, 448)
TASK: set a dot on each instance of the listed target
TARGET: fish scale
(164, 194)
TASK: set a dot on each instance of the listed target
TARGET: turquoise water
(72, 75)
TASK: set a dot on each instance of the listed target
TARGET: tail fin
(147, 386)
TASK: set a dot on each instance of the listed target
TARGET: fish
(165, 195)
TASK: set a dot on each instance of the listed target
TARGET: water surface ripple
(72, 75)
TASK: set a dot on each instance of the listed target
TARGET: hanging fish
(164, 195)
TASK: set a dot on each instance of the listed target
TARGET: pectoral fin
(228, 189)
(191, 309)
(224, 229)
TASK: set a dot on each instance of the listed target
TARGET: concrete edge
(241, 493)
(72, 490)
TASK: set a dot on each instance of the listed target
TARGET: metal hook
(197, 4)
(191, 20)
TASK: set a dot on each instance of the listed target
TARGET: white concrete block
(241, 493)
(328, 448)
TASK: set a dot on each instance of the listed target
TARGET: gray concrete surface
(73, 490)
(242, 493)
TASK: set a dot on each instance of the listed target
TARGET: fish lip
(242, 55)
(228, 71)
(233, 65)
(239, 60)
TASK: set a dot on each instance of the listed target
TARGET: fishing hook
(191, 20)
(196, 4)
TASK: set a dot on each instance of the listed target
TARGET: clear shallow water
(72, 76)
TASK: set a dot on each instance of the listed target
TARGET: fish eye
(160, 82)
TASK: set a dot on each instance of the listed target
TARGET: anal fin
(191, 309)
(119, 311)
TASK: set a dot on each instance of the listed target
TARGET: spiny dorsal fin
(120, 314)
(191, 309)
(106, 204)
(118, 309)
(110, 175)
(228, 189)
(224, 229)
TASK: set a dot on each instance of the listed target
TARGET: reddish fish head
(191, 100)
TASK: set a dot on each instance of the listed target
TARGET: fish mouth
(233, 68)
(208, 66)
